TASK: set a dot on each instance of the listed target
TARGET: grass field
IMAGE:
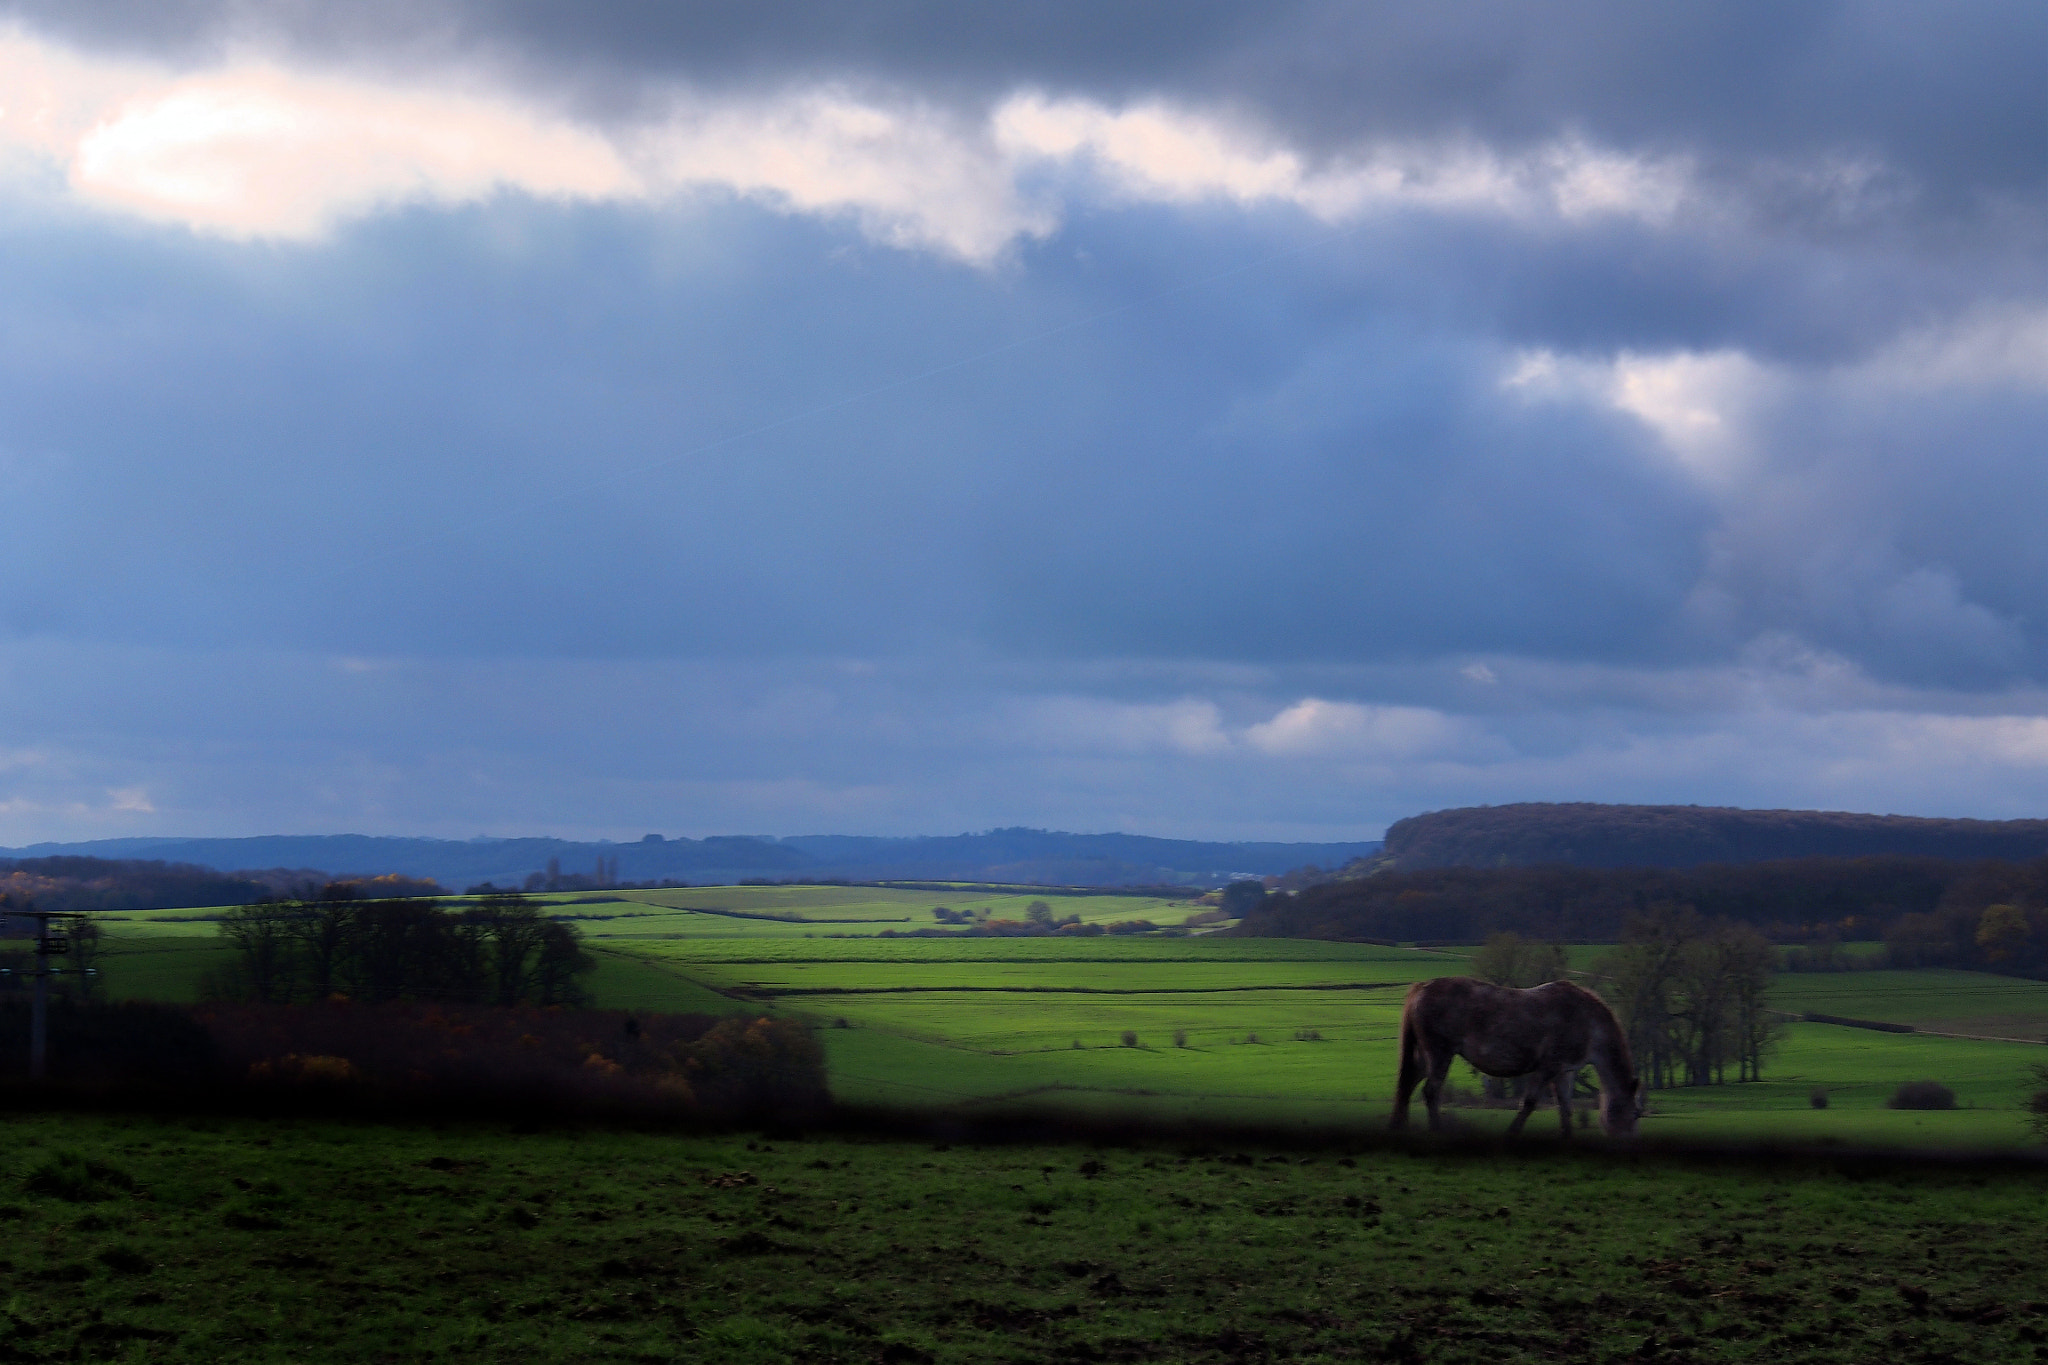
(1940, 1001)
(178, 1240)
(1275, 1030)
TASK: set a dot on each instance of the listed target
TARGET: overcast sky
(1198, 419)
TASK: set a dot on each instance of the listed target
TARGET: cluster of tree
(1798, 900)
(499, 951)
(1690, 993)
(1584, 834)
(2000, 937)
(1508, 959)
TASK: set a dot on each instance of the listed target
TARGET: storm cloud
(1202, 420)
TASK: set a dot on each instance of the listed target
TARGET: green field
(1933, 999)
(186, 1240)
(1276, 1031)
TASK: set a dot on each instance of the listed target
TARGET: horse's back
(1506, 1030)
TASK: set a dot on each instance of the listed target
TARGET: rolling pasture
(1294, 1031)
(1280, 1031)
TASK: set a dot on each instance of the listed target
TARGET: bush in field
(1130, 1038)
(407, 1053)
(1180, 1037)
(1818, 1097)
(1922, 1095)
(753, 1066)
(1308, 1035)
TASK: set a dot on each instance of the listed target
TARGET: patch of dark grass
(601, 1245)
(77, 1179)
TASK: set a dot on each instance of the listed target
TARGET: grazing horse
(1547, 1032)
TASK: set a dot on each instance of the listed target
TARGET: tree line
(1586, 834)
(1930, 911)
(500, 951)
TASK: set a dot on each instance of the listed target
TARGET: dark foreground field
(201, 1240)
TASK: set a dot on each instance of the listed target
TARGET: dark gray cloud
(535, 431)
(702, 514)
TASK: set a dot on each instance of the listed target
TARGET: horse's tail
(1411, 1060)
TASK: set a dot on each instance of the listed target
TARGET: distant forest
(74, 883)
(1929, 911)
(1583, 834)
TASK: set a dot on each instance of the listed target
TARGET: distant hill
(1582, 834)
(1008, 855)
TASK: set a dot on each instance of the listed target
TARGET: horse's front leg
(1564, 1086)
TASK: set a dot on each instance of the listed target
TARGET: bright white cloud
(908, 176)
(1698, 404)
(1314, 728)
(260, 151)
(254, 148)
(1154, 152)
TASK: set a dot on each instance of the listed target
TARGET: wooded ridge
(1586, 834)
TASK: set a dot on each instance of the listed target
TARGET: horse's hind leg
(1433, 1089)
(1411, 1076)
(1529, 1102)
(1563, 1086)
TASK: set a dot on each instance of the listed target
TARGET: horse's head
(1620, 1109)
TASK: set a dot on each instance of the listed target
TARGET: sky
(1200, 419)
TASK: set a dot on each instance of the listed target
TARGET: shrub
(315, 1070)
(2037, 1104)
(1922, 1095)
(1308, 1035)
(1180, 1037)
(1818, 1097)
(466, 1054)
(1130, 1039)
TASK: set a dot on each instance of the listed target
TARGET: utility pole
(51, 941)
